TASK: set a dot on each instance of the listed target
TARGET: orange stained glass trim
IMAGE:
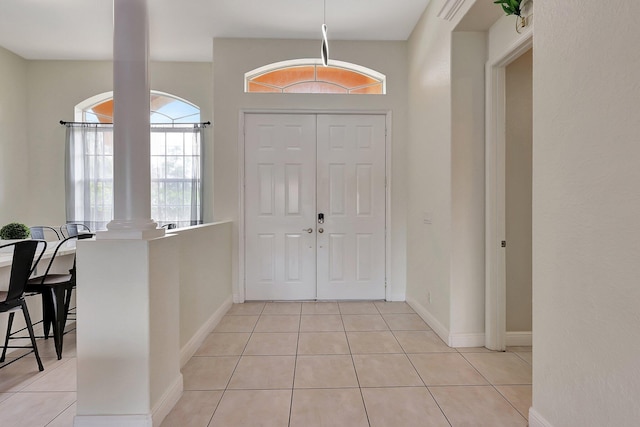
(315, 87)
(369, 90)
(344, 77)
(314, 78)
(257, 88)
(287, 76)
(104, 111)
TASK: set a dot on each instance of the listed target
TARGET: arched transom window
(310, 76)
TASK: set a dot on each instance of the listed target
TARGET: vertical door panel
(280, 187)
(267, 189)
(337, 189)
(351, 194)
(364, 256)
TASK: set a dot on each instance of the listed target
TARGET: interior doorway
(518, 199)
(496, 201)
(314, 206)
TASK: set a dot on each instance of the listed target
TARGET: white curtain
(89, 175)
(176, 175)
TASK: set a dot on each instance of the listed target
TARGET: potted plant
(518, 8)
(14, 231)
(510, 7)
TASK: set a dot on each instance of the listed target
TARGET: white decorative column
(128, 327)
(131, 133)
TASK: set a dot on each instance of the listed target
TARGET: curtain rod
(70, 124)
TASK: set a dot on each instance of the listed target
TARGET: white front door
(351, 197)
(298, 166)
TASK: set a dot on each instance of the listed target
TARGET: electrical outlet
(426, 217)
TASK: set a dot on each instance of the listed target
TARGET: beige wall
(429, 168)
(586, 210)
(234, 57)
(14, 150)
(467, 184)
(445, 248)
(518, 144)
(52, 90)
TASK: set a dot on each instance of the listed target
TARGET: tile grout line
(235, 367)
(364, 405)
(491, 384)
(295, 364)
(423, 381)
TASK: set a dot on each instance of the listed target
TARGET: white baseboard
(159, 413)
(536, 420)
(518, 339)
(452, 340)
(398, 297)
(198, 338)
(167, 401)
(113, 420)
(467, 340)
(433, 323)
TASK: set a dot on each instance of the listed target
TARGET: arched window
(176, 161)
(165, 109)
(310, 76)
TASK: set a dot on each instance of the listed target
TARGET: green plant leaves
(14, 230)
(510, 7)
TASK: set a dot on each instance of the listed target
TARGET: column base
(131, 229)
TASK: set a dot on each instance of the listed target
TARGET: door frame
(239, 290)
(495, 218)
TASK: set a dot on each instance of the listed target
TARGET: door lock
(320, 218)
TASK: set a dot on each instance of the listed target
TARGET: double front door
(315, 203)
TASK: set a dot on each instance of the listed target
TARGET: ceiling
(183, 30)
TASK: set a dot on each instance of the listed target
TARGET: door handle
(308, 230)
(320, 230)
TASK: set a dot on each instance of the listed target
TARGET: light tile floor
(295, 364)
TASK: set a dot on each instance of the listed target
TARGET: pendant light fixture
(325, 43)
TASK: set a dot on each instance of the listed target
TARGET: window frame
(373, 74)
(173, 126)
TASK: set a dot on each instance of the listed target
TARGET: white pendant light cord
(325, 42)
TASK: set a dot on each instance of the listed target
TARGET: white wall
(14, 151)
(234, 57)
(174, 289)
(429, 167)
(467, 187)
(445, 248)
(128, 330)
(56, 87)
(518, 175)
(586, 210)
(205, 276)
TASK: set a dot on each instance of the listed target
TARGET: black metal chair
(73, 229)
(56, 294)
(71, 311)
(22, 265)
(41, 231)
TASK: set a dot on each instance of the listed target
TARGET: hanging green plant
(510, 7)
